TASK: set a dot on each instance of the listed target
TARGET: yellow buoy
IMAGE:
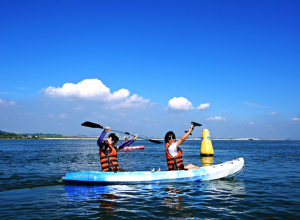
(206, 145)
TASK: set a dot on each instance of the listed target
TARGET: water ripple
(31, 170)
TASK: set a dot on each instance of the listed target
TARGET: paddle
(94, 125)
(195, 125)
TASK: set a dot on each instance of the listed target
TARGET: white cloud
(180, 103)
(4, 103)
(273, 113)
(145, 119)
(203, 106)
(216, 118)
(133, 101)
(94, 89)
(255, 105)
(295, 119)
(250, 123)
(87, 89)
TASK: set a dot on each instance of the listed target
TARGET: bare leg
(191, 166)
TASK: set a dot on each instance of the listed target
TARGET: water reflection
(138, 200)
(174, 198)
(108, 204)
(206, 161)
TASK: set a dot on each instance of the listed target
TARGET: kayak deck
(223, 170)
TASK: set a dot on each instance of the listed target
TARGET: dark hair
(114, 137)
(167, 136)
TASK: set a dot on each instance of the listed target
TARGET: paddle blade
(155, 141)
(91, 125)
(196, 124)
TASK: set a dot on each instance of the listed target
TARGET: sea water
(31, 187)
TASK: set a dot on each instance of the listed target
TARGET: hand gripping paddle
(195, 125)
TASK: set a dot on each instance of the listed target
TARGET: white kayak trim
(224, 170)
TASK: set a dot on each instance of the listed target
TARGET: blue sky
(148, 67)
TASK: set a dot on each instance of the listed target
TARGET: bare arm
(185, 136)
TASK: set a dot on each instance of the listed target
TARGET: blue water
(31, 170)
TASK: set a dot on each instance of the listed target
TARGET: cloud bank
(87, 89)
(94, 89)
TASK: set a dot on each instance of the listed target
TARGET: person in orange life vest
(108, 151)
(174, 153)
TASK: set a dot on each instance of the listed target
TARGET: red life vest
(109, 162)
(174, 163)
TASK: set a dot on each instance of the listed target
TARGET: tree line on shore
(10, 135)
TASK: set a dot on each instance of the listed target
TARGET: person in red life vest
(174, 153)
(108, 151)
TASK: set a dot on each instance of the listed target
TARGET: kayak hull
(226, 169)
(133, 148)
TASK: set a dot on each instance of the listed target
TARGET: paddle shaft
(94, 125)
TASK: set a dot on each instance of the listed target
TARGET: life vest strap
(106, 157)
(114, 167)
(177, 158)
(176, 163)
(109, 161)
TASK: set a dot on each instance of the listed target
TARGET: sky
(149, 67)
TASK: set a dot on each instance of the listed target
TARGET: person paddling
(108, 151)
(174, 153)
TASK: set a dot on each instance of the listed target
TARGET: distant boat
(250, 139)
(133, 148)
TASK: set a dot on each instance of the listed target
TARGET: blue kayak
(224, 170)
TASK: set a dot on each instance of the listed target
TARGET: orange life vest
(174, 163)
(109, 162)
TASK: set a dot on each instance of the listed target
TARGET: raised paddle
(94, 125)
(195, 125)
